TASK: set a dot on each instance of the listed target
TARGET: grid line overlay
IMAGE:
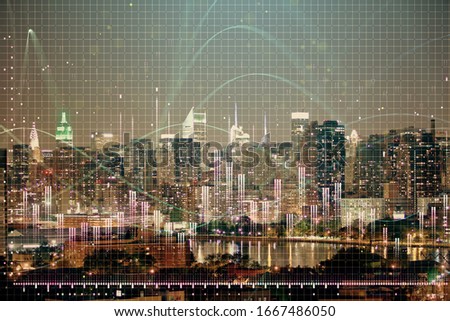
(248, 143)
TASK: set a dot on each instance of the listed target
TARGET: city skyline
(28, 134)
(218, 54)
(225, 149)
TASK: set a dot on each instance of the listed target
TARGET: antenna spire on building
(156, 114)
(265, 123)
(168, 122)
(235, 114)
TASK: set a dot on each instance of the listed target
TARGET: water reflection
(287, 253)
(267, 253)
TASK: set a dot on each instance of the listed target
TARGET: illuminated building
(426, 166)
(141, 168)
(21, 166)
(414, 163)
(101, 141)
(237, 134)
(350, 168)
(299, 125)
(368, 172)
(194, 126)
(64, 134)
(330, 158)
(34, 145)
(3, 203)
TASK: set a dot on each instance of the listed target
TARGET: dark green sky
(374, 65)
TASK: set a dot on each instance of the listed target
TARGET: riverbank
(320, 240)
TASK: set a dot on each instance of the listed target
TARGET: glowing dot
(442, 107)
(359, 117)
(30, 30)
(120, 96)
(131, 4)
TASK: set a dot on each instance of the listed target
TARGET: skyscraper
(350, 168)
(3, 228)
(368, 170)
(265, 140)
(64, 134)
(21, 166)
(237, 134)
(330, 158)
(187, 159)
(34, 145)
(415, 165)
(425, 163)
(299, 124)
(194, 126)
(101, 141)
(141, 151)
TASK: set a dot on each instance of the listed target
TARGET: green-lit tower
(64, 134)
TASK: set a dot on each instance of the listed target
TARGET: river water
(265, 252)
(294, 253)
